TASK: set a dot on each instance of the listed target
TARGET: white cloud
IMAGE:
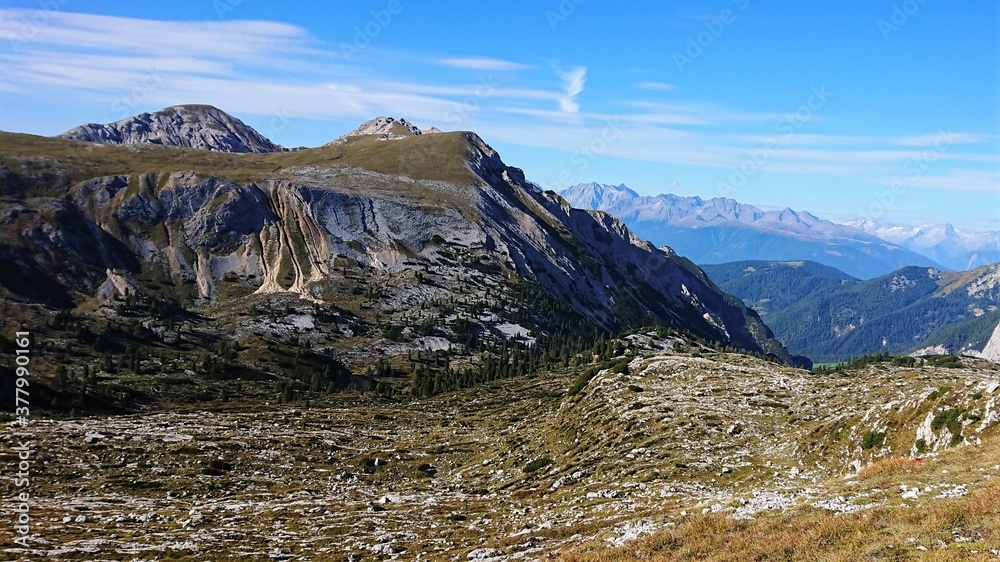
(483, 63)
(655, 86)
(270, 68)
(939, 138)
(244, 40)
(573, 81)
(982, 181)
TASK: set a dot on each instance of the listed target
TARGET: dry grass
(880, 533)
(49, 165)
(888, 467)
(962, 528)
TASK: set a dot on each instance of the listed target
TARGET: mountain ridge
(318, 222)
(952, 247)
(198, 126)
(835, 318)
(720, 230)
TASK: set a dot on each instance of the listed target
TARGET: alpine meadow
(580, 281)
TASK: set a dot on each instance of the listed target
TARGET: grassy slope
(930, 528)
(47, 166)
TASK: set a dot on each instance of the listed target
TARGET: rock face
(387, 128)
(719, 230)
(991, 350)
(469, 218)
(191, 126)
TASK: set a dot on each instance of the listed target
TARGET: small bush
(873, 440)
(582, 380)
(938, 393)
(619, 366)
(946, 361)
(217, 467)
(635, 388)
(951, 419)
(393, 332)
(537, 464)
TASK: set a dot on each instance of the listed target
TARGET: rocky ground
(517, 469)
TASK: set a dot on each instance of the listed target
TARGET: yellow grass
(883, 533)
(891, 466)
(963, 528)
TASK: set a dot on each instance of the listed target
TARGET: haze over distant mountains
(953, 248)
(718, 230)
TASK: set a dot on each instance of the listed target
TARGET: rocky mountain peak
(191, 126)
(387, 128)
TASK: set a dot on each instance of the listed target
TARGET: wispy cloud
(573, 81)
(983, 181)
(263, 68)
(932, 139)
(483, 63)
(219, 39)
(655, 86)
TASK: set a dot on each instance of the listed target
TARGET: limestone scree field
(659, 455)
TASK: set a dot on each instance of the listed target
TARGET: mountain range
(953, 248)
(719, 230)
(399, 325)
(832, 317)
(381, 247)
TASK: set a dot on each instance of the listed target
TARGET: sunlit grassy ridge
(47, 166)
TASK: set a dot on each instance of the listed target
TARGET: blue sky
(884, 109)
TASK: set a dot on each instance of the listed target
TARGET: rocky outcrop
(300, 229)
(991, 350)
(192, 126)
(387, 128)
